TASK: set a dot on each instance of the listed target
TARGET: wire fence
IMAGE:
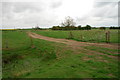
(95, 36)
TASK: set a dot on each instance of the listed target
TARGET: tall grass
(83, 35)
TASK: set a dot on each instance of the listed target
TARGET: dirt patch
(6, 49)
(111, 75)
(21, 73)
(105, 45)
(86, 58)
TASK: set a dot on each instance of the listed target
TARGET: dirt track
(72, 42)
(75, 44)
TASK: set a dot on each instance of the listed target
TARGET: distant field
(55, 60)
(94, 35)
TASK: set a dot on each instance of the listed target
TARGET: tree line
(114, 27)
(87, 27)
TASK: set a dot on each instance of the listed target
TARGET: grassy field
(55, 60)
(94, 35)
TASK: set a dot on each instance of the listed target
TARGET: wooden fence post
(108, 36)
(81, 37)
(31, 43)
(6, 43)
(70, 35)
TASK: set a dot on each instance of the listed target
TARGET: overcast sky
(48, 13)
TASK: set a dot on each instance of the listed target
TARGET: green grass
(11, 38)
(83, 35)
(113, 52)
(51, 60)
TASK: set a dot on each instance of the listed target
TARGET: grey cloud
(101, 16)
(24, 6)
(101, 4)
(109, 10)
(19, 7)
(6, 7)
(27, 14)
(56, 4)
(7, 10)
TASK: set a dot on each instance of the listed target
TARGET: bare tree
(68, 22)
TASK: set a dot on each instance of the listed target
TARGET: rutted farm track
(77, 45)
